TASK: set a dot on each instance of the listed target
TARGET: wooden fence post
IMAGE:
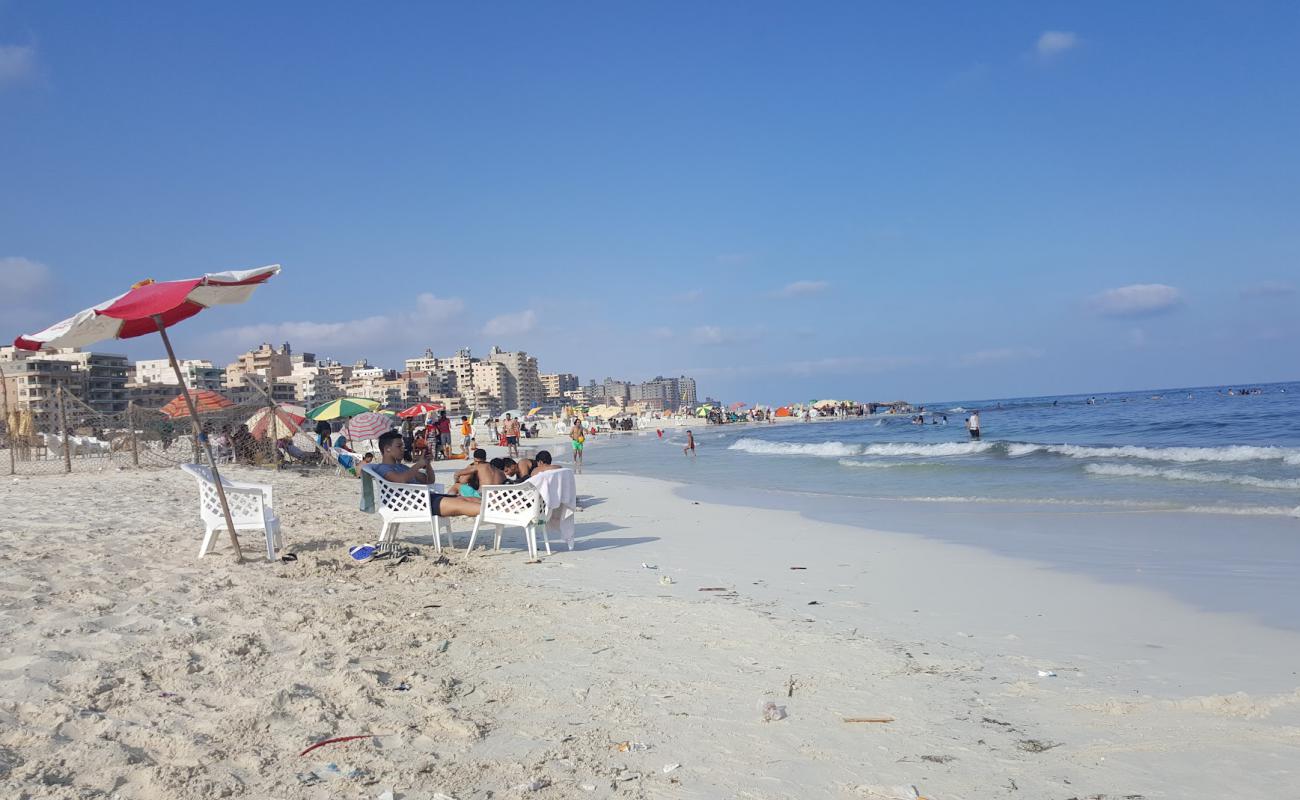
(135, 443)
(13, 445)
(67, 435)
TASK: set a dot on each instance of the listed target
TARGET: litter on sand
(670, 767)
(798, 568)
(627, 747)
(644, 565)
(771, 711)
(1046, 673)
(336, 740)
(869, 719)
(665, 580)
(714, 589)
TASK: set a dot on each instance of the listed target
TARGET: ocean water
(1195, 449)
(1188, 492)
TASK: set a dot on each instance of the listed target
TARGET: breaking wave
(1175, 474)
(823, 449)
(1182, 455)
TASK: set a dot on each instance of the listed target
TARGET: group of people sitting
(463, 498)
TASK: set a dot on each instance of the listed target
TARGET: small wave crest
(823, 449)
(1182, 455)
(1175, 474)
(936, 449)
(858, 463)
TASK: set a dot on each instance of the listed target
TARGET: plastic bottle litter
(649, 566)
(670, 767)
(1046, 673)
(771, 711)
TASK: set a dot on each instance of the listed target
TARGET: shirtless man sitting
(518, 471)
(485, 473)
(542, 462)
(392, 469)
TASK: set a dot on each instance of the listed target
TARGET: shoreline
(170, 677)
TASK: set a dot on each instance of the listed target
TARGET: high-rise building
(523, 387)
(686, 391)
(198, 373)
(555, 384)
(266, 361)
(101, 377)
(32, 385)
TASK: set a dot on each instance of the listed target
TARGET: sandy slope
(130, 669)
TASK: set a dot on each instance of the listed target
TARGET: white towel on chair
(559, 491)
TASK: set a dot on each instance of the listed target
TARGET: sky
(786, 201)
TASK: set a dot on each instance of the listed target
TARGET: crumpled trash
(665, 580)
(771, 711)
(644, 565)
(1046, 673)
(670, 767)
(626, 747)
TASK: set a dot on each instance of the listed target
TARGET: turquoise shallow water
(1193, 449)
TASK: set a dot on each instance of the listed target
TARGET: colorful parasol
(420, 410)
(280, 422)
(369, 425)
(205, 401)
(343, 407)
(152, 307)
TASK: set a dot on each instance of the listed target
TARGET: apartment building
(197, 373)
(32, 384)
(523, 386)
(266, 361)
(556, 384)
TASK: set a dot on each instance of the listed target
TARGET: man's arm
(465, 472)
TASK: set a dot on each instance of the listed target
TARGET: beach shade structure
(280, 422)
(532, 412)
(703, 411)
(737, 406)
(368, 425)
(783, 411)
(420, 410)
(205, 401)
(342, 407)
(151, 307)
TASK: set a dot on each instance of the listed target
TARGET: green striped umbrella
(343, 407)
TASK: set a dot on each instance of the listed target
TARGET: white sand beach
(131, 669)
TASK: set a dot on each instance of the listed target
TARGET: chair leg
(437, 533)
(209, 539)
(530, 539)
(473, 533)
(546, 539)
(501, 530)
(270, 531)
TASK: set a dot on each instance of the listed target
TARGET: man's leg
(459, 507)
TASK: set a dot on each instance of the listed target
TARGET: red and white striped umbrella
(280, 422)
(148, 307)
(369, 425)
(151, 307)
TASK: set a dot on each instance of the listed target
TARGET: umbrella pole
(199, 437)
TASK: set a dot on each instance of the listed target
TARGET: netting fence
(76, 438)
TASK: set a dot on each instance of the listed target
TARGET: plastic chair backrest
(409, 500)
(515, 504)
(245, 508)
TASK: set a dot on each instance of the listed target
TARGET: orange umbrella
(205, 400)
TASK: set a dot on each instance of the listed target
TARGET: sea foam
(1175, 474)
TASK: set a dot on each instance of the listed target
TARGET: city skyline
(868, 201)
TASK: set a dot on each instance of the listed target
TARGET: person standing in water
(973, 424)
(578, 439)
(689, 449)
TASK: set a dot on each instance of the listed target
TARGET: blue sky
(866, 200)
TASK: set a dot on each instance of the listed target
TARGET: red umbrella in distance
(204, 400)
(152, 306)
(420, 410)
(285, 419)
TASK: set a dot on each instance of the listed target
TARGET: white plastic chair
(517, 505)
(398, 503)
(251, 509)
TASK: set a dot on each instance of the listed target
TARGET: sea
(1194, 491)
(1198, 449)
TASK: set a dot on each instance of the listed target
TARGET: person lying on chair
(392, 469)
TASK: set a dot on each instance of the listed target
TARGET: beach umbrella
(420, 410)
(280, 422)
(151, 307)
(342, 407)
(205, 401)
(533, 411)
(737, 406)
(369, 425)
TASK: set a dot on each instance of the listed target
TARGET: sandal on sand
(362, 553)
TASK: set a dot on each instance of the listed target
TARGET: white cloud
(1267, 289)
(1000, 355)
(21, 279)
(832, 365)
(17, 63)
(1053, 43)
(347, 335)
(1136, 300)
(801, 288)
(717, 335)
(514, 324)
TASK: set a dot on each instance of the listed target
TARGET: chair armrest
(265, 489)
